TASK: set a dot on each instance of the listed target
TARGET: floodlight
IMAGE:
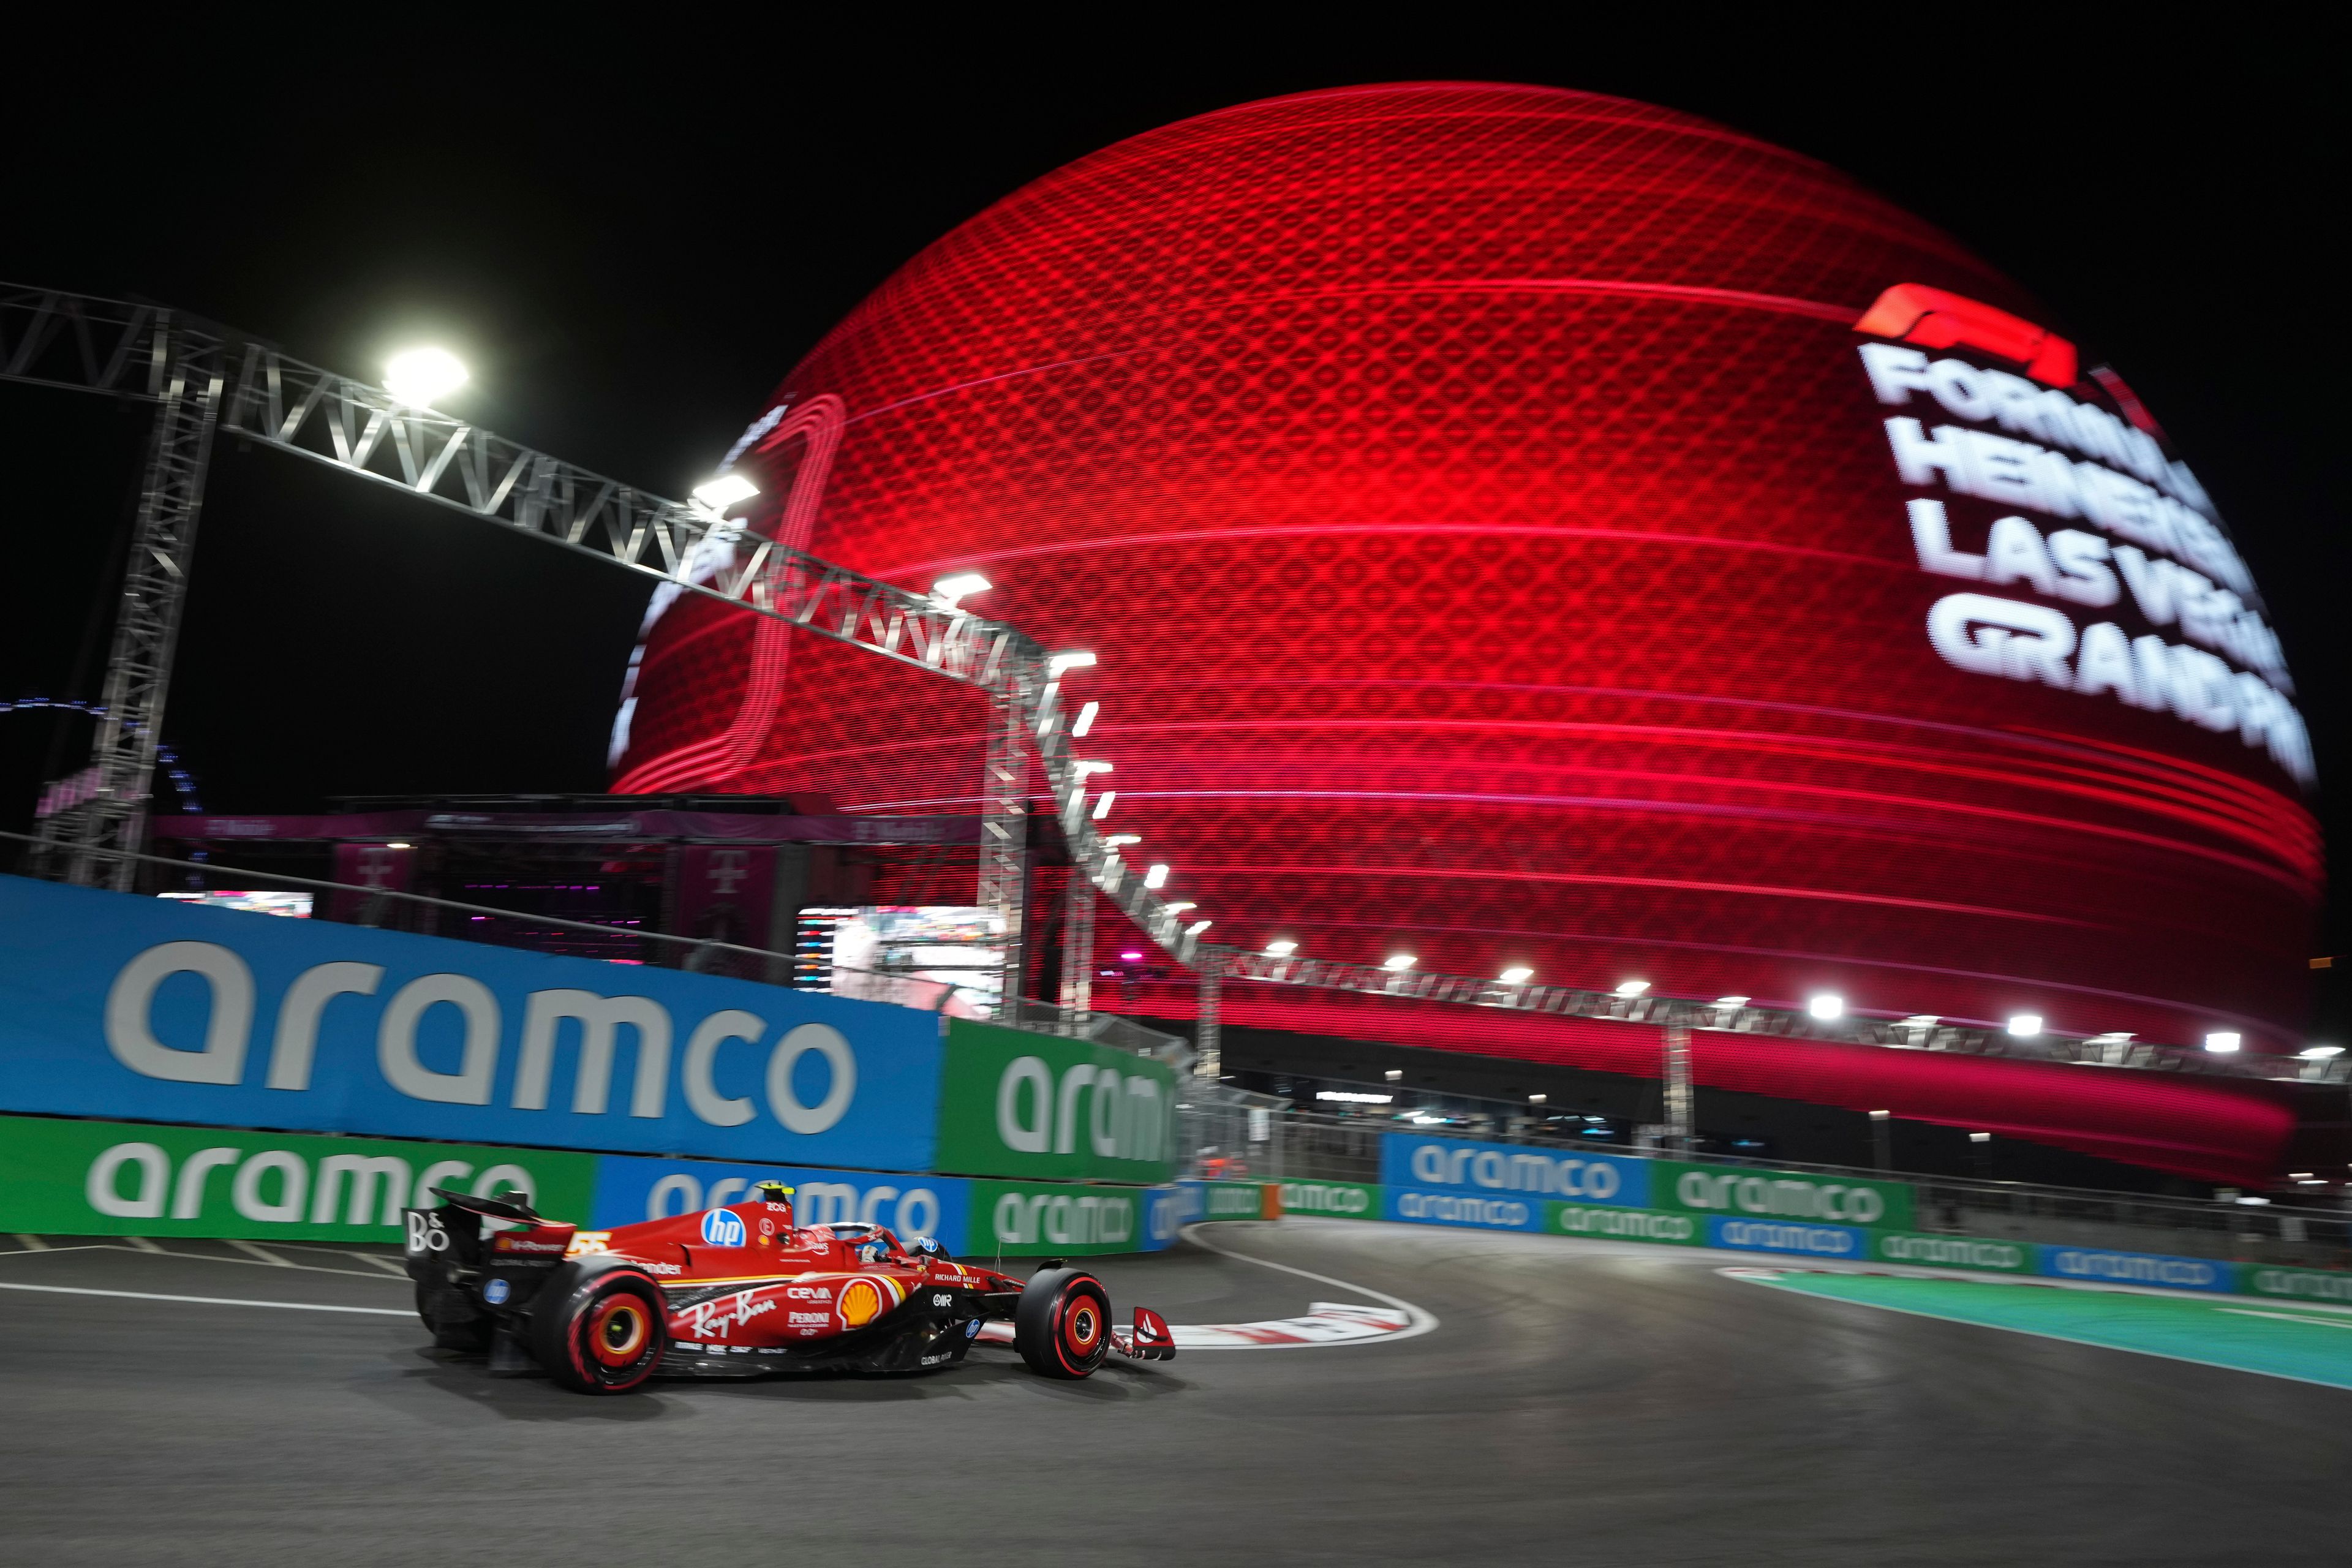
(1102, 806)
(1537, 1099)
(1400, 962)
(411, 846)
(1180, 909)
(1086, 769)
(1826, 1007)
(2222, 1044)
(1631, 988)
(1197, 927)
(1517, 974)
(420, 378)
(2025, 1025)
(1731, 1003)
(950, 590)
(1282, 949)
(1116, 840)
(1131, 957)
(1394, 1075)
(1085, 720)
(1056, 663)
(2319, 1053)
(1156, 877)
(724, 492)
(1979, 1137)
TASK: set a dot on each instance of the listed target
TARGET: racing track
(1576, 1403)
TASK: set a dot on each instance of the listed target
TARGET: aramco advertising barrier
(111, 1178)
(1040, 1106)
(126, 1007)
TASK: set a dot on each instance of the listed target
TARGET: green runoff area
(2307, 1342)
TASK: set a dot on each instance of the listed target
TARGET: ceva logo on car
(721, 1228)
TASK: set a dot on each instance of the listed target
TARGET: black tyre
(600, 1334)
(1062, 1327)
(470, 1332)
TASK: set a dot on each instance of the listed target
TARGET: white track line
(142, 1243)
(1423, 1319)
(208, 1301)
(31, 1243)
(263, 1253)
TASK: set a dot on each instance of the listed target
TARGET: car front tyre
(1062, 1327)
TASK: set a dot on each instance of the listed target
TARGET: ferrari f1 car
(736, 1292)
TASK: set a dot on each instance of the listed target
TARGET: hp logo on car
(721, 1228)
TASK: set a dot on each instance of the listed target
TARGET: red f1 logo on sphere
(1937, 320)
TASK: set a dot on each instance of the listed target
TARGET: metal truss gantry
(141, 352)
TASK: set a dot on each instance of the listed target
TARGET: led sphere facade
(1499, 546)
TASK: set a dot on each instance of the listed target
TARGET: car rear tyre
(605, 1335)
(1062, 1327)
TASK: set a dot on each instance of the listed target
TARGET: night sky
(630, 238)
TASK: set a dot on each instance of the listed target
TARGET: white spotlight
(1731, 1003)
(1517, 974)
(1087, 769)
(1102, 806)
(420, 378)
(2223, 1044)
(1400, 962)
(1056, 663)
(1394, 1075)
(1537, 1099)
(1631, 988)
(1113, 841)
(1085, 720)
(1826, 1007)
(2319, 1053)
(949, 591)
(2025, 1025)
(1197, 927)
(1156, 877)
(1282, 949)
(724, 492)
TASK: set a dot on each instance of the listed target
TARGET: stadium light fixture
(1197, 927)
(1880, 1115)
(1826, 1006)
(1394, 1075)
(1056, 664)
(1157, 878)
(1355, 1097)
(1131, 957)
(724, 492)
(1400, 962)
(421, 377)
(2025, 1025)
(1085, 720)
(1538, 1098)
(1114, 840)
(1086, 769)
(1282, 949)
(1979, 1137)
(1517, 974)
(2319, 1053)
(1731, 1003)
(1102, 806)
(2222, 1044)
(1180, 909)
(398, 846)
(1631, 988)
(951, 591)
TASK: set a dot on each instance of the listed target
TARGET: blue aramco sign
(1501, 1186)
(141, 1008)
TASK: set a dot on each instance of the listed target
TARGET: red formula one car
(736, 1293)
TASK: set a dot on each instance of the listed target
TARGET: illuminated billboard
(940, 958)
(1527, 529)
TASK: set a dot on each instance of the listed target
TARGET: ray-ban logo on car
(721, 1228)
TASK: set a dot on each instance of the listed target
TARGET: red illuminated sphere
(1493, 550)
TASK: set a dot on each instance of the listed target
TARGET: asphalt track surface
(1576, 1403)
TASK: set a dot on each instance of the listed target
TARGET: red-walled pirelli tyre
(600, 1334)
(1062, 1327)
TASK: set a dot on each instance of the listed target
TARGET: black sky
(630, 235)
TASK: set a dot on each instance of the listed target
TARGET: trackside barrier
(1506, 1207)
(114, 1005)
(72, 1177)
